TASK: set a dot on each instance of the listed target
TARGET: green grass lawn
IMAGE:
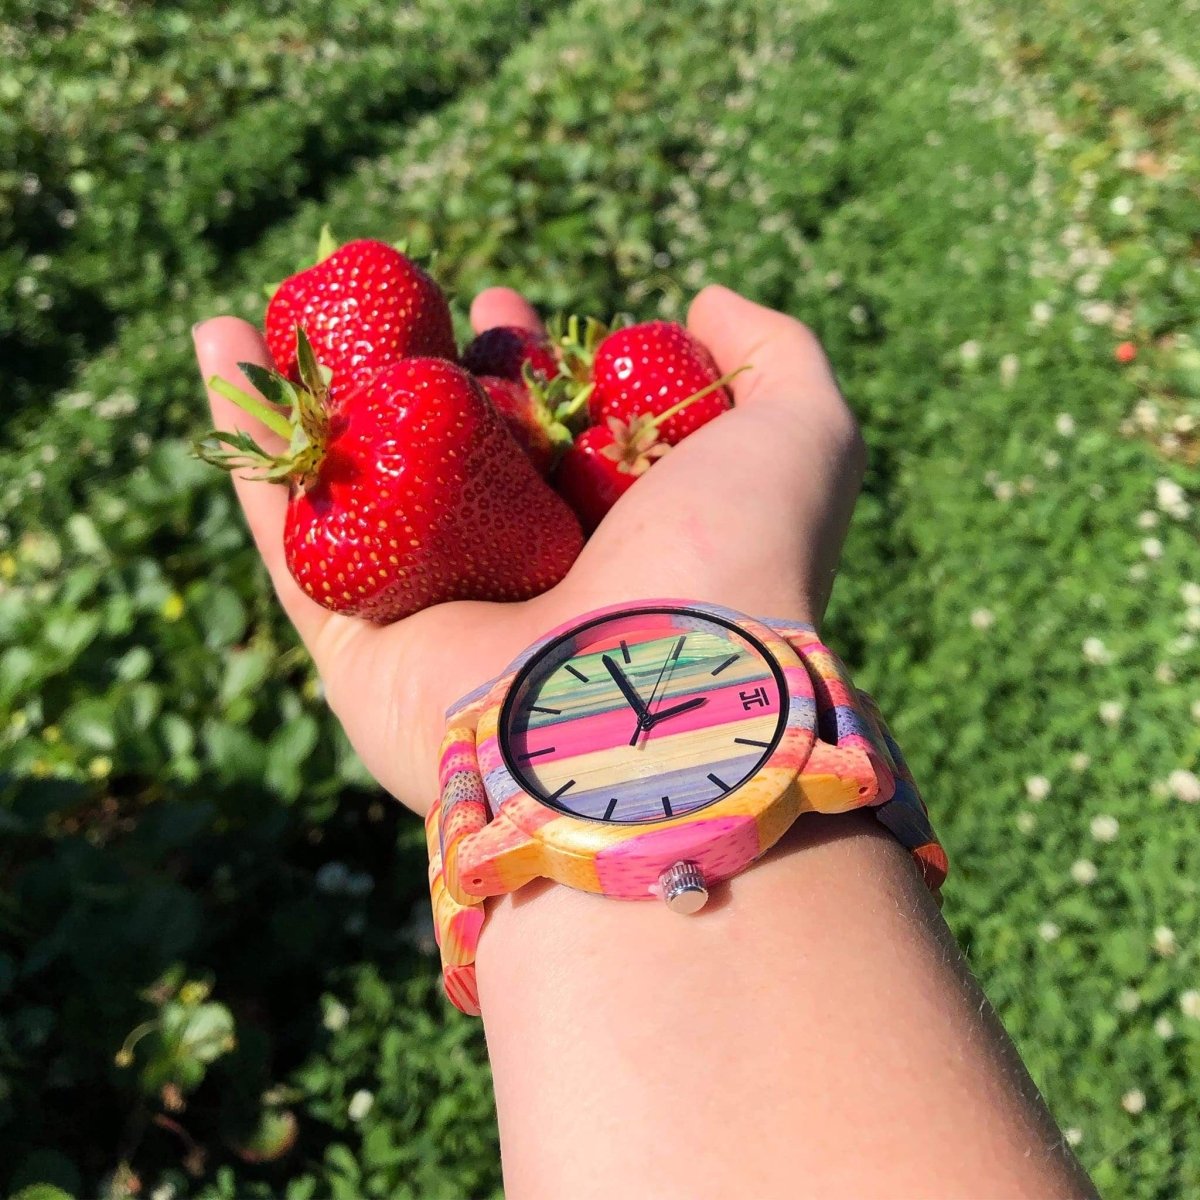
(975, 204)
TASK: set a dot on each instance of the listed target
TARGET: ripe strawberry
(409, 492)
(363, 306)
(606, 460)
(527, 419)
(504, 351)
(600, 466)
(649, 368)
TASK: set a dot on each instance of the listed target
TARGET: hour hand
(676, 709)
(627, 689)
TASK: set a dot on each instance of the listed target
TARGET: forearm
(814, 1031)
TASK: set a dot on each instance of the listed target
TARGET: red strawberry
(363, 306)
(525, 417)
(504, 351)
(603, 463)
(407, 494)
(649, 368)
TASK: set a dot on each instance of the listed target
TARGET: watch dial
(643, 715)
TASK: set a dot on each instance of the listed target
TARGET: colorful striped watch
(647, 751)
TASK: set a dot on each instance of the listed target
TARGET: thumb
(788, 366)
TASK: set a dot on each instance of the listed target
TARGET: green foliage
(973, 204)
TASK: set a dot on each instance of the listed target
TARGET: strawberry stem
(657, 421)
(275, 421)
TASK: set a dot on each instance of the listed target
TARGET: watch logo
(754, 699)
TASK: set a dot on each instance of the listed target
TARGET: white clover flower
(1111, 712)
(1145, 415)
(1079, 761)
(1191, 619)
(1164, 1027)
(1096, 652)
(164, 1191)
(992, 477)
(1184, 423)
(1042, 312)
(1147, 519)
(1026, 822)
(858, 315)
(1152, 548)
(1160, 789)
(1027, 485)
(1189, 1004)
(1105, 828)
(1129, 1000)
(983, 618)
(1037, 788)
(1010, 368)
(1164, 673)
(337, 1016)
(1196, 710)
(1120, 206)
(1138, 571)
(1097, 492)
(360, 1105)
(969, 352)
(1005, 491)
(1051, 459)
(1073, 1136)
(1048, 931)
(1172, 499)
(1065, 424)
(1134, 1101)
(1086, 284)
(1165, 943)
(1084, 872)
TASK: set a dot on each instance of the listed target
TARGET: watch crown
(683, 887)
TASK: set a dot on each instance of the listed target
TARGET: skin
(814, 1031)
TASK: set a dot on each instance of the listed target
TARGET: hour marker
(625, 651)
(577, 673)
(608, 812)
(667, 806)
(721, 666)
(554, 712)
(719, 782)
(751, 742)
(535, 753)
(569, 784)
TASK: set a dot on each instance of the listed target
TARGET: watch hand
(627, 688)
(646, 720)
(674, 711)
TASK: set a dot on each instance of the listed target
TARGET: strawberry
(527, 419)
(646, 369)
(504, 351)
(363, 306)
(602, 464)
(606, 460)
(407, 493)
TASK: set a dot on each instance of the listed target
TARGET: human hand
(750, 512)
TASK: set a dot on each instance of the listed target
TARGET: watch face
(643, 715)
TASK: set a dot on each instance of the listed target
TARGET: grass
(974, 206)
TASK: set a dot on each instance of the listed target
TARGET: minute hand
(627, 689)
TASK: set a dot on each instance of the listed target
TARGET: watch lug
(497, 859)
(839, 778)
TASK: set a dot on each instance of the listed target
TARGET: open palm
(749, 512)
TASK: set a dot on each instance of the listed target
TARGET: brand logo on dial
(643, 715)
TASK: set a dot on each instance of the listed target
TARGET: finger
(502, 306)
(784, 355)
(221, 344)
